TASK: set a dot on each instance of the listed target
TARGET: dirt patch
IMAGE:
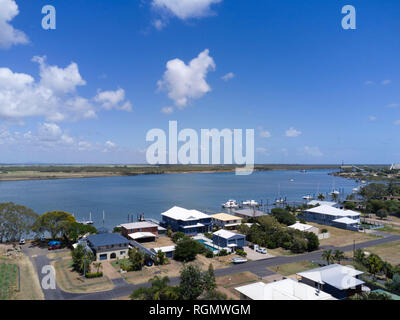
(341, 237)
(71, 281)
(388, 251)
(160, 242)
(227, 284)
(293, 268)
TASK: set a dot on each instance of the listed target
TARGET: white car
(261, 250)
(22, 241)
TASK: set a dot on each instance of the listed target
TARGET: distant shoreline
(26, 173)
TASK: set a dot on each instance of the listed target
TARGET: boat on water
(356, 190)
(280, 201)
(230, 204)
(335, 192)
(87, 222)
(239, 260)
(303, 171)
(291, 180)
(251, 203)
(308, 197)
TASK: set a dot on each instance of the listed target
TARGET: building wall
(154, 230)
(221, 242)
(178, 225)
(120, 254)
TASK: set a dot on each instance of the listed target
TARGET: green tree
(159, 290)
(327, 256)
(283, 216)
(54, 222)
(371, 296)
(161, 259)
(82, 259)
(321, 197)
(350, 205)
(136, 259)
(15, 220)
(178, 236)
(209, 283)
(394, 285)
(338, 256)
(191, 283)
(382, 213)
(312, 241)
(187, 249)
(374, 264)
(98, 266)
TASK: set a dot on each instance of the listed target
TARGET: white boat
(308, 197)
(356, 190)
(279, 201)
(239, 260)
(335, 192)
(251, 203)
(90, 221)
(230, 204)
(291, 180)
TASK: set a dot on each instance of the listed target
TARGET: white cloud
(8, 35)
(186, 9)
(372, 118)
(184, 82)
(397, 123)
(292, 133)
(228, 76)
(386, 82)
(110, 144)
(167, 110)
(394, 105)
(369, 82)
(53, 96)
(113, 100)
(262, 150)
(264, 133)
(312, 151)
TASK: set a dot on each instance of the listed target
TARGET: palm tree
(321, 197)
(98, 266)
(327, 256)
(338, 256)
(159, 290)
(334, 197)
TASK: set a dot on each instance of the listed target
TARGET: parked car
(22, 241)
(261, 250)
(55, 247)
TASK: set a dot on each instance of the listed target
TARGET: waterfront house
(142, 226)
(331, 216)
(287, 289)
(314, 203)
(339, 281)
(226, 221)
(228, 239)
(190, 222)
(107, 246)
(304, 228)
(248, 213)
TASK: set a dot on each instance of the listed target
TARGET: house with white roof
(335, 279)
(168, 250)
(304, 228)
(313, 203)
(331, 216)
(287, 289)
(229, 239)
(190, 222)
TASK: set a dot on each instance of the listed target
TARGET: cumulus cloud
(312, 151)
(54, 96)
(372, 118)
(292, 133)
(228, 76)
(264, 133)
(8, 35)
(185, 9)
(386, 82)
(397, 123)
(113, 100)
(167, 110)
(185, 82)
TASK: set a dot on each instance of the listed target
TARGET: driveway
(254, 256)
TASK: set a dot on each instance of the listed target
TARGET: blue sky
(314, 92)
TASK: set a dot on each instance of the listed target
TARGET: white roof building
(178, 213)
(336, 275)
(346, 220)
(227, 234)
(303, 227)
(331, 211)
(141, 235)
(138, 225)
(288, 289)
(395, 166)
(164, 249)
(322, 203)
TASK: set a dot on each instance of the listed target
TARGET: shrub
(187, 249)
(209, 254)
(94, 275)
(240, 252)
(178, 236)
(283, 216)
(324, 230)
(223, 252)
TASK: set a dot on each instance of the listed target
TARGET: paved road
(259, 268)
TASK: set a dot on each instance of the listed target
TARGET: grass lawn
(390, 229)
(387, 251)
(71, 281)
(293, 268)
(8, 280)
(341, 237)
(280, 252)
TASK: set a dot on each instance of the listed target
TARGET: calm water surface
(153, 194)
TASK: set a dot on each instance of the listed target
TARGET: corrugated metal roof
(107, 239)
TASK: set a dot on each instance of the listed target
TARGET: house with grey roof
(108, 246)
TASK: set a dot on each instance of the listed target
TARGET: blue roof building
(107, 246)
